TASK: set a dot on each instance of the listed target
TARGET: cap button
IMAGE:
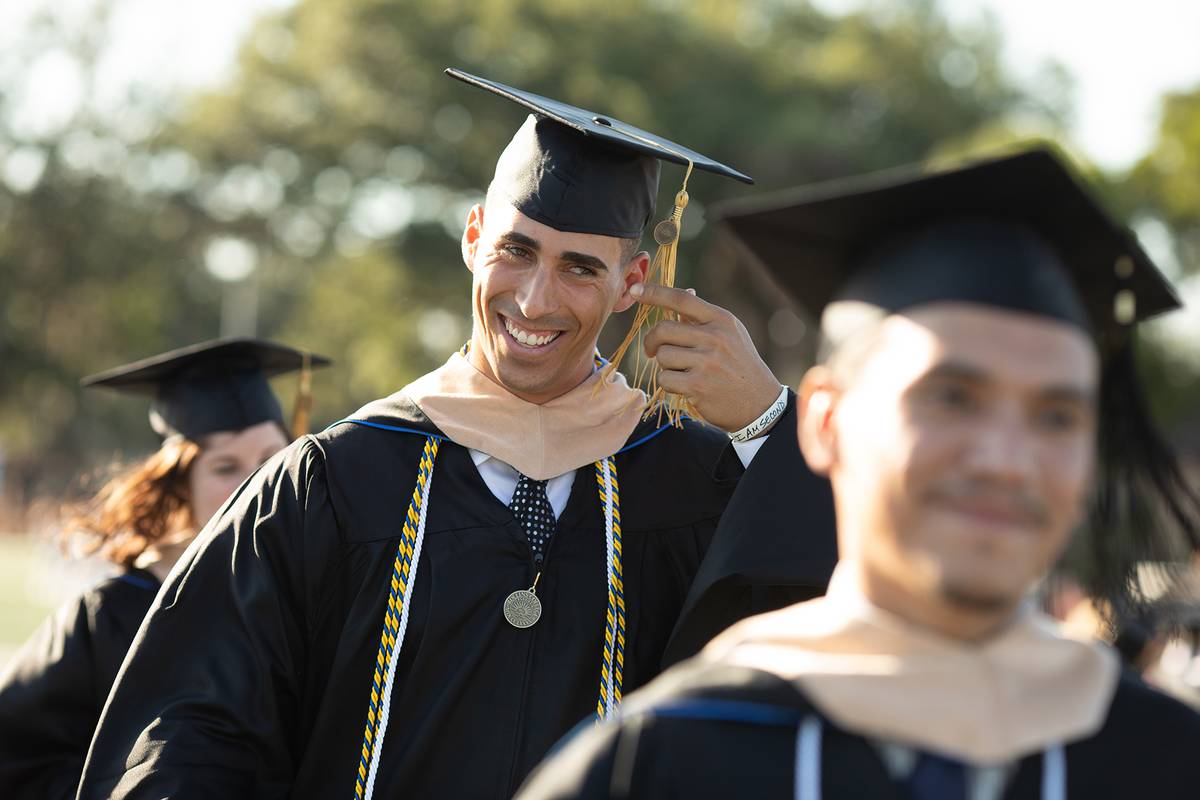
(666, 232)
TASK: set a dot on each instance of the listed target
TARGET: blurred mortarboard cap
(1018, 231)
(580, 171)
(212, 386)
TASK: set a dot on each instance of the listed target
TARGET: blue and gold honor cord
(395, 621)
(612, 663)
(404, 575)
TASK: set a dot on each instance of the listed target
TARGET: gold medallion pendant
(522, 608)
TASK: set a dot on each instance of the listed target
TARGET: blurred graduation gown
(717, 730)
(258, 656)
(54, 688)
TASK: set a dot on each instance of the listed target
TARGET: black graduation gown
(255, 670)
(719, 731)
(54, 688)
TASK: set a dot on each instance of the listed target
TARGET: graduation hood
(1024, 690)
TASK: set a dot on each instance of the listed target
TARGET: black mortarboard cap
(1018, 232)
(212, 386)
(583, 172)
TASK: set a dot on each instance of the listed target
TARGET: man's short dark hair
(629, 249)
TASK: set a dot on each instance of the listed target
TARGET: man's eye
(516, 251)
(580, 269)
(954, 397)
(225, 468)
(1059, 419)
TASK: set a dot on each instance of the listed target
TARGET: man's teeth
(529, 339)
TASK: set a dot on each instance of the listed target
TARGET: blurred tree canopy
(318, 197)
(1166, 183)
(1162, 193)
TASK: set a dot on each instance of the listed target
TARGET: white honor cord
(808, 759)
(386, 703)
(610, 705)
(773, 412)
(1054, 774)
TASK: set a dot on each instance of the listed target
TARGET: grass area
(33, 582)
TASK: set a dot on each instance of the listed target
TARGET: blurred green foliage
(339, 164)
(1166, 183)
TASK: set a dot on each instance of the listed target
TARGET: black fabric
(969, 260)
(54, 688)
(1146, 748)
(254, 673)
(582, 172)
(746, 574)
(558, 177)
(213, 386)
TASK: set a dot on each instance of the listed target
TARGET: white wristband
(754, 429)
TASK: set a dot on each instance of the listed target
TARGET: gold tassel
(662, 271)
(302, 408)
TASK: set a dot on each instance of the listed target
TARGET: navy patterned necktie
(531, 506)
(938, 778)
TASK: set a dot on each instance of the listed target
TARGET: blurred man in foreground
(973, 355)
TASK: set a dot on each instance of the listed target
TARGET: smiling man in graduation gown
(421, 600)
(972, 357)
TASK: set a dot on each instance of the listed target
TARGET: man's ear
(635, 272)
(471, 235)
(817, 398)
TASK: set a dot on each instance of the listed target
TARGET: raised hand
(707, 357)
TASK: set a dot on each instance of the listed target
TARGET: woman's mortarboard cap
(212, 386)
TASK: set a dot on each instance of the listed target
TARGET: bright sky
(176, 43)
(1123, 56)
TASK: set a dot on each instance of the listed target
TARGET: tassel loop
(662, 271)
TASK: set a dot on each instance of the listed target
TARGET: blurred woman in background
(219, 421)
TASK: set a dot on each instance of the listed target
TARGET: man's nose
(1003, 448)
(536, 296)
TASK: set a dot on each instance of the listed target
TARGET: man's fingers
(672, 357)
(669, 331)
(676, 381)
(680, 301)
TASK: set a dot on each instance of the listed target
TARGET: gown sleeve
(48, 708)
(54, 689)
(207, 703)
(776, 544)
